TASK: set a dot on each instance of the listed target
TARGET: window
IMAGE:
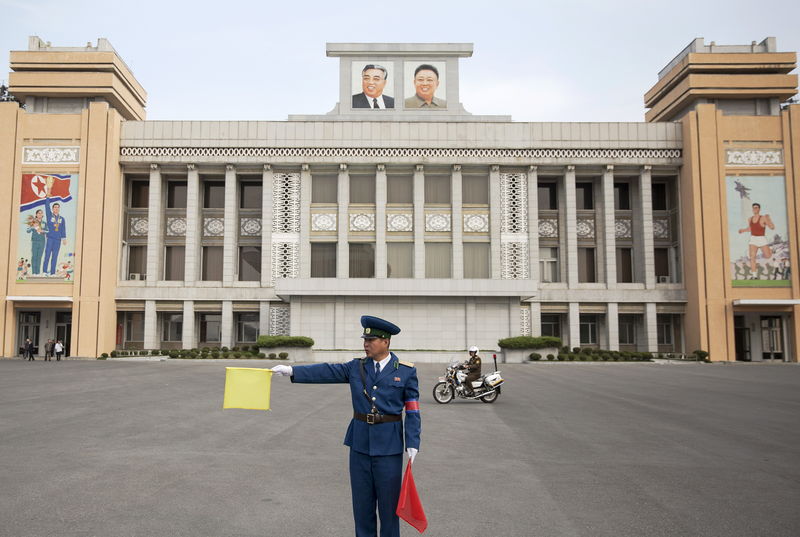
(400, 189)
(323, 188)
(362, 189)
(548, 197)
(250, 195)
(588, 327)
(249, 263)
(437, 189)
(213, 194)
(622, 197)
(584, 196)
(400, 259)
(176, 195)
(586, 266)
(661, 258)
(172, 328)
(323, 259)
(624, 265)
(362, 260)
(660, 197)
(137, 262)
(247, 327)
(174, 262)
(140, 194)
(551, 325)
(134, 326)
(475, 189)
(212, 263)
(210, 327)
(664, 329)
(548, 264)
(477, 260)
(438, 259)
(627, 330)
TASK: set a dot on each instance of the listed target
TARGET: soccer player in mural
(757, 226)
(56, 235)
(373, 82)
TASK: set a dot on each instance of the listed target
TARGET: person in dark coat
(27, 350)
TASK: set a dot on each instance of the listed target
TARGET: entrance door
(29, 328)
(772, 338)
(741, 336)
(64, 329)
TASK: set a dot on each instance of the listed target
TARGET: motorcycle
(486, 388)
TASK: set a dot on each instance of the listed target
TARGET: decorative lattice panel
(213, 226)
(249, 227)
(399, 222)
(362, 222)
(285, 262)
(525, 320)
(323, 222)
(137, 226)
(623, 228)
(286, 203)
(514, 203)
(279, 320)
(661, 228)
(437, 222)
(175, 227)
(585, 228)
(476, 223)
(514, 259)
(548, 228)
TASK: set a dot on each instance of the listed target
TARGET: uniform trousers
(375, 480)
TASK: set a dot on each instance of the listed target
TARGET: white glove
(282, 370)
(412, 452)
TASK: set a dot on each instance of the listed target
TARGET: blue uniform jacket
(54, 222)
(395, 389)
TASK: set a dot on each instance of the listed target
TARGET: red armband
(412, 406)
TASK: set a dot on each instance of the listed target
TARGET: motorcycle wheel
(491, 397)
(443, 393)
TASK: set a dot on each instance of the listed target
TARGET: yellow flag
(247, 387)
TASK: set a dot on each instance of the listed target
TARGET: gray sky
(567, 60)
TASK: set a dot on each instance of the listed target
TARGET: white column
(609, 229)
(612, 325)
(646, 210)
(343, 246)
(229, 248)
(155, 236)
(650, 327)
(192, 226)
(574, 325)
(456, 223)
(227, 324)
(419, 221)
(536, 319)
(263, 318)
(533, 232)
(571, 231)
(495, 221)
(187, 337)
(380, 222)
(150, 325)
(266, 231)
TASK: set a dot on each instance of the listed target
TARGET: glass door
(64, 329)
(772, 338)
(29, 328)
(741, 335)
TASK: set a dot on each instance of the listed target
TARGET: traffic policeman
(473, 367)
(381, 388)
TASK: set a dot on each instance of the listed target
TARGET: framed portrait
(372, 85)
(425, 85)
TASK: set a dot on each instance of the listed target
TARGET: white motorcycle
(486, 388)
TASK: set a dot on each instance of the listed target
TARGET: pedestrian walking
(48, 350)
(27, 350)
(59, 348)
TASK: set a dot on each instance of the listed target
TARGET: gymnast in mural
(757, 226)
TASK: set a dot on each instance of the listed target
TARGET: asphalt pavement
(111, 448)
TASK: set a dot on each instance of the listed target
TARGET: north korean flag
(34, 190)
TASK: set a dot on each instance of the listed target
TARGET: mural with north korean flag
(47, 218)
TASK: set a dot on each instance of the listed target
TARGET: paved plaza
(111, 448)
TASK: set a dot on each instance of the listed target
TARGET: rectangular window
(210, 327)
(584, 196)
(660, 197)
(437, 189)
(588, 329)
(627, 330)
(438, 260)
(548, 197)
(323, 259)
(664, 329)
(551, 325)
(622, 197)
(176, 195)
(137, 262)
(249, 263)
(213, 194)
(624, 265)
(247, 327)
(661, 258)
(140, 194)
(174, 262)
(212, 264)
(172, 328)
(477, 260)
(586, 265)
(324, 188)
(362, 189)
(250, 195)
(400, 189)
(362, 260)
(548, 265)
(134, 326)
(475, 190)
(400, 259)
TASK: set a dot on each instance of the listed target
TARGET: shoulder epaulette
(407, 364)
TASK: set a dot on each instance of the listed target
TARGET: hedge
(528, 342)
(284, 341)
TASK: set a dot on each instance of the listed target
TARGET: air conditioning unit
(663, 279)
(135, 276)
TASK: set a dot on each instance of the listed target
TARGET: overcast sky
(560, 60)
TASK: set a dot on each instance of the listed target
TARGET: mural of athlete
(56, 235)
(757, 226)
(37, 228)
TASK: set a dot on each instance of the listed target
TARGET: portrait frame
(409, 90)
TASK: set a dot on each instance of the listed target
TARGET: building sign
(47, 222)
(758, 232)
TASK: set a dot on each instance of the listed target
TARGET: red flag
(409, 507)
(34, 185)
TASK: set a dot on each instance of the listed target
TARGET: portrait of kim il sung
(371, 79)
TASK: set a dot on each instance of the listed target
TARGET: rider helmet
(473, 349)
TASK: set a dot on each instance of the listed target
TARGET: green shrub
(155, 352)
(551, 357)
(576, 350)
(564, 349)
(262, 355)
(284, 341)
(113, 354)
(701, 355)
(254, 349)
(528, 342)
(587, 350)
(205, 349)
(215, 355)
(272, 356)
(226, 354)
(104, 355)
(283, 355)
(236, 354)
(535, 356)
(561, 357)
(225, 349)
(173, 353)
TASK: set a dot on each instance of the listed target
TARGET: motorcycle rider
(473, 369)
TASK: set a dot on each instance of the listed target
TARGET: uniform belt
(377, 418)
